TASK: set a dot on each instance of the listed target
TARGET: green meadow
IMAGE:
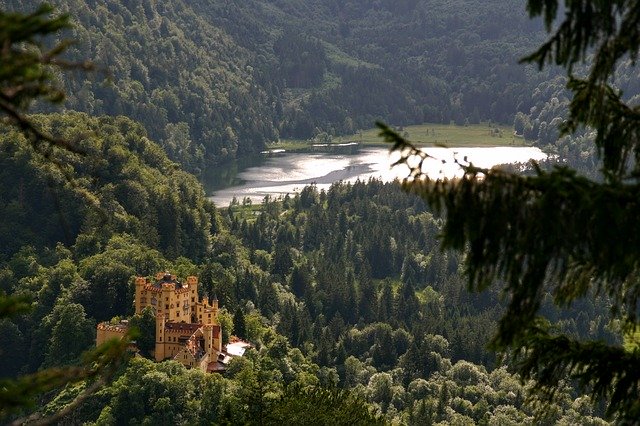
(424, 134)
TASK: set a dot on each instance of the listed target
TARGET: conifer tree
(239, 324)
(555, 230)
(27, 72)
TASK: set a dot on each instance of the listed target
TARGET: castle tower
(214, 307)
(192, 286)
(212, 338)
(141, 282)
(160, 337)
(192, 283)
(167, 301)
(207, 332)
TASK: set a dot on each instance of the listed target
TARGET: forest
(252, 72)
(386, 319)
(355, 310)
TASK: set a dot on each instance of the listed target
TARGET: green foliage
(215, 108)
(340, 287)
(13, 305)
(239, 324)
(321, 406)
(123, 183)
(412, 322)
(555, 229)
(27, 70)
(145, 324)
(257, 72)
(23, 72)
(609, 372)
(225, 319)
(251, 392)
(70, 331)
(26, 75)
(97, 368)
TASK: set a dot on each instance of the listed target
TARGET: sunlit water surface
(288, 173)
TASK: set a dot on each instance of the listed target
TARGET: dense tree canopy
(249, 72)
(346, 328)
(554, 229)
(26, 76)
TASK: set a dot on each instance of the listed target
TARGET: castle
(187, 328)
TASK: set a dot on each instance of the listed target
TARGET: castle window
(166, 306)
(193, 299)
(177, 313)
(143, 300)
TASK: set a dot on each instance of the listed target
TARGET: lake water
(287, 173)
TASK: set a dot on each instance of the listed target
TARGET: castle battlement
(106, 331)
(117, 328)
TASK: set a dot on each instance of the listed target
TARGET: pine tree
(26, 75)
(407, 304)
(368, 302)
(300, 280)
(385, 303)
(27, 72)
(556, 228)
(239, 324)
(145, 322)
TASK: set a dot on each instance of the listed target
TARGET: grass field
(425, 134)
(241, 211)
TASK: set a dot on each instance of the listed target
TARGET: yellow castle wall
(109, 332)
(177, 305)
(186, 358)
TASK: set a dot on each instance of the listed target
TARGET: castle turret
(192, 285)
(141, 282)
(212, 338)
(168, 302)
(214, 306)
(160, 337)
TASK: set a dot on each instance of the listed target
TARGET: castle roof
(216, 367)
(167, 279)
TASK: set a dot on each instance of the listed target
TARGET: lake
(289, 172)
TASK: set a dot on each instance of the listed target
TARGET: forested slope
(122, 183)
(212, 80)
(353, 310)
(385, 319)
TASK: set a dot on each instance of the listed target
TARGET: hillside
(354, 312)
(212, 80)
(124, 183)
